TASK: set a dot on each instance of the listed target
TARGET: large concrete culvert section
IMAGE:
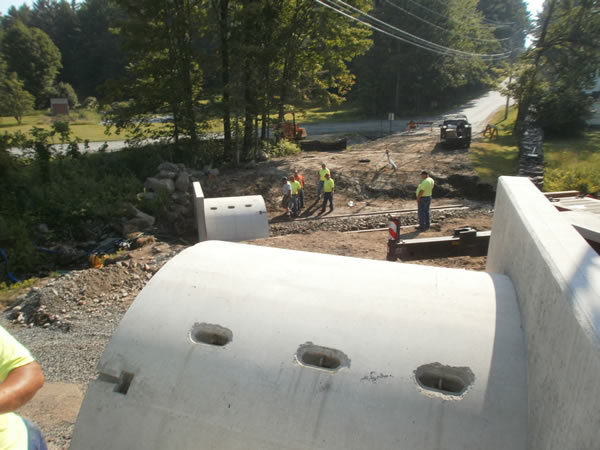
(230, 218)
(234, 346)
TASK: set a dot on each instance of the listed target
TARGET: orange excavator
(291, 131)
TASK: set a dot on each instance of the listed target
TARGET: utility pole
(512, 60)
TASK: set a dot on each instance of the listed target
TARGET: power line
(437, 26)
(410, 39)
(424, 41)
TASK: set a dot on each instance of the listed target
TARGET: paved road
(477, 111)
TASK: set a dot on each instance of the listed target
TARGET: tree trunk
(223, 11)
(527, 97)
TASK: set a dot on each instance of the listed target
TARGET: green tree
(286, 52)
(553, 75)
(163, 73)
(402, 77)
(98, 52)
(63, 90)
(21, 14)
(58, 19)
(31, 54)
(16, 101)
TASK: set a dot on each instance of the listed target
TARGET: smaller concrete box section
(234, 346)
(230, 218)
(557, 278)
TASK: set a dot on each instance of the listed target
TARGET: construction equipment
(466, 241)
(291, 131)
(455, 131)
(412, 125)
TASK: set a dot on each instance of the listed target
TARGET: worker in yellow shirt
(424, 191)
(328, 187)
(20, 378)
(296, 188)
(300, 179)
(322, 172)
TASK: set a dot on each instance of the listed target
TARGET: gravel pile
(67, 323)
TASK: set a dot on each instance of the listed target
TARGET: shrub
(584, 180)
(281, 148)
(90, 103)
(63, 90)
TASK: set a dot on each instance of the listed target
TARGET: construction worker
(286, 190)
(296, 188)
(300, 178)
(328, 187)
(424, 191)
(322, 172)
(20, 378)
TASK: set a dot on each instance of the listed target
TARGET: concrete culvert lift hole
(211, 334)
(446, 380)
(122, 382)
(320, 360)
(324, 358)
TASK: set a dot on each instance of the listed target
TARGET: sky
(533, 5)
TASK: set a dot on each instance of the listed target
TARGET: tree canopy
(553, 76)
(32, 55)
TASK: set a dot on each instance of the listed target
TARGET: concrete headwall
(557, 278)
(230, 218)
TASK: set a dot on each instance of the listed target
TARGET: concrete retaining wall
(557, 278)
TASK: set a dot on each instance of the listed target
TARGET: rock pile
(531, 155)
(99, 294)
(170, 191)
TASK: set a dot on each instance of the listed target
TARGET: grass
(494, 158)
(85, 124)
(342, 113)
(9, 293)
(571, 163)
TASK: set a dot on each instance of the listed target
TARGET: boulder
(167, 174)
(182, 183)
(169, 167)
(156, 184)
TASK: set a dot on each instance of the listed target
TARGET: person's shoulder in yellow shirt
(13, 357)
(323, 171)
(329, 184)
(296, 186)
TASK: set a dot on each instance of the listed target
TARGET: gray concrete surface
(557, 278)
(230, 218)
(310, 351)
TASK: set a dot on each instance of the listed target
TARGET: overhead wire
(410, 38)
(438, 26)
(433, 44)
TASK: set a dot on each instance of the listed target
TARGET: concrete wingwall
(556, 275)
